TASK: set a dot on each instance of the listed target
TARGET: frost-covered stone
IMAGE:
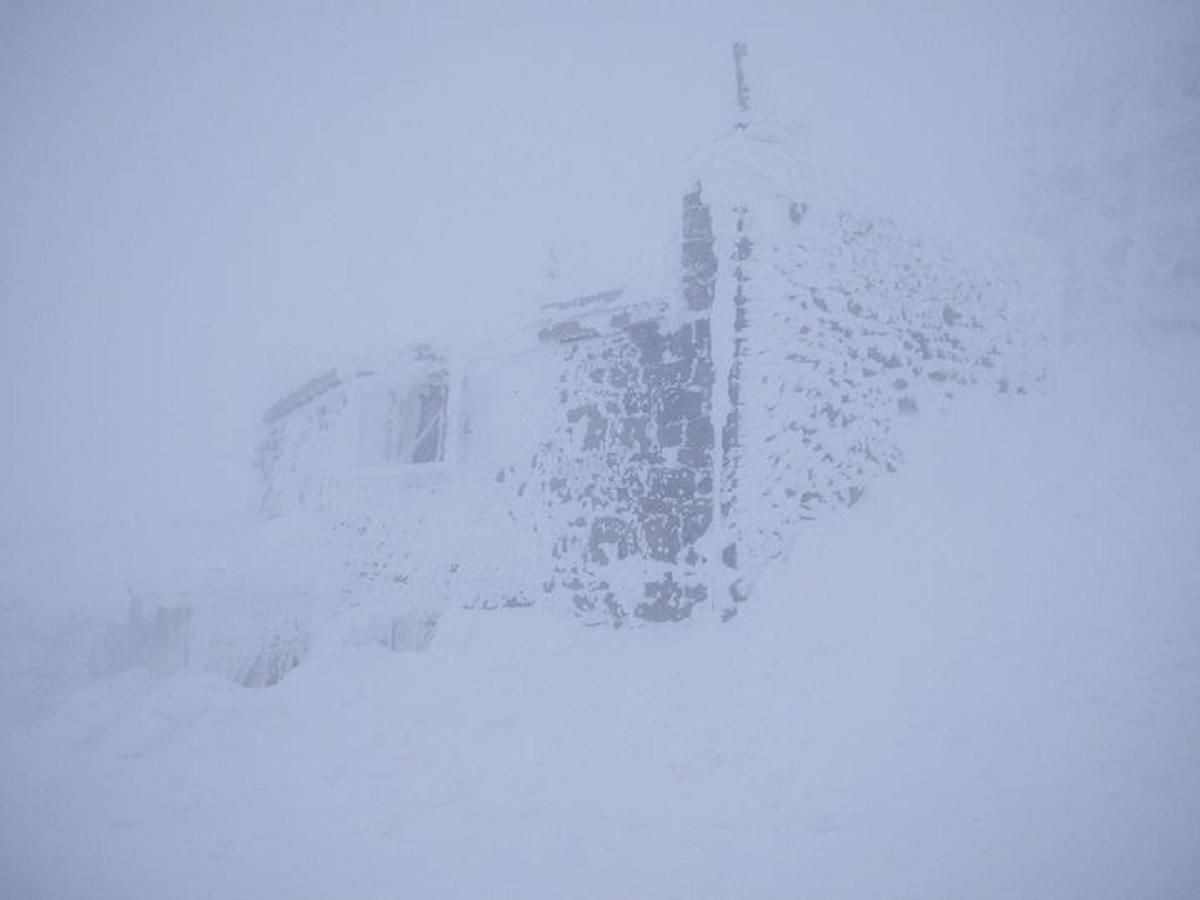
(633, 455)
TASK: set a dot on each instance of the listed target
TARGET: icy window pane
(403, 424)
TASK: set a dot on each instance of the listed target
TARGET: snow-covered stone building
(635, 455)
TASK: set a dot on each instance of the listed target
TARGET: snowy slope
(982, 681)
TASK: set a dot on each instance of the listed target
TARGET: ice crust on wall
(639, 457)
(837, 325)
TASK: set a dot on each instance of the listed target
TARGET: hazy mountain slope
(982, 681)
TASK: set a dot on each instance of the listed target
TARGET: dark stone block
(584, 603)
(666, 375)
(665, 602)
(699, 433)
(697, 220)
(698, 294)
(633, 433)
(670, 434)
(662, 539)
(646, 337)
(654, 506)
(558, 487)
(579, 412)
(670, 483)
(636, 402)
(681, 404)
(680, 343)
(694, 457)
(614, 533)
(729, 433)
(695, 518)
(699, 261)
(737, 592)
(621, 376)
(729, 555)
(597, 425)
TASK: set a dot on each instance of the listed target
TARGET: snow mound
(980, 682)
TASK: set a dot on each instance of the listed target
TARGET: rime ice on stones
(636, 457)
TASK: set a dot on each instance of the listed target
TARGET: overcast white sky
(200, 203)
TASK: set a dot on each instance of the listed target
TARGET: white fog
(600, 450)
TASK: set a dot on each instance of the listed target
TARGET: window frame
(410, 382)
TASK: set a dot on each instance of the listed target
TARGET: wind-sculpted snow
(995, 645)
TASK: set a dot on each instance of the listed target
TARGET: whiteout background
(980, 682)
(203, 206)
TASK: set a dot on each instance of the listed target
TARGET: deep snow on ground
(982, 681)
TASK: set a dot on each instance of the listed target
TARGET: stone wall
(632, 457)
(840, 326)
(637, 458)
